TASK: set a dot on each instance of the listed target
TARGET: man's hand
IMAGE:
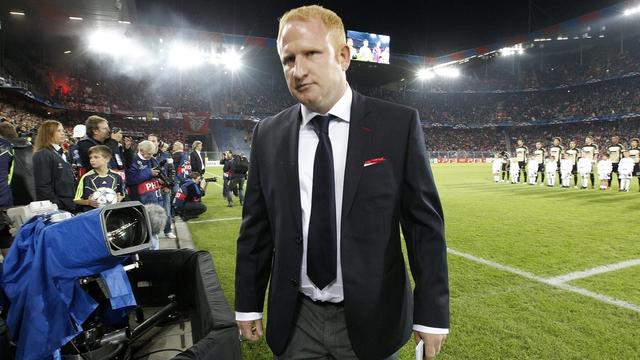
(250, 330)
(432, 343)
(155, 172)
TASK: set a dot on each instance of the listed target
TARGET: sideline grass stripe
(594, 271)
(528, 275)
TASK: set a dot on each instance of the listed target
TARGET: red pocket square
(374, 161)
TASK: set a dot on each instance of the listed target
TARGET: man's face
(538, 145)
(588, 141)
(154, 140)
(615, 140)
(145, 154)
(634, 144)
(519, 142)
(556, 142)
(315, 74)
(102, 132)
(572, 144)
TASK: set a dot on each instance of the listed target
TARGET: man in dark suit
(331, 182)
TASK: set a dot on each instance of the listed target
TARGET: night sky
(428, 28)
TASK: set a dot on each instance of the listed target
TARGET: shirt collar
(56, 147)
(341, 110)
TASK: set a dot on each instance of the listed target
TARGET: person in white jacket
(625, 171)
(604, 171)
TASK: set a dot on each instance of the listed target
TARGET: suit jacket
(398, 191)
(54, 179)
(196, 163)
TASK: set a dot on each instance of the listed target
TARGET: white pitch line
(584, 292)
(594, 271)
(214, 220)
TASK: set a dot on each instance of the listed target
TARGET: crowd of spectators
(495, 139)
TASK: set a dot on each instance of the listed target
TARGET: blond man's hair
(330, 19)
(146, 146)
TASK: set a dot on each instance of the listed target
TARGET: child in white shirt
(496, 167)
(584, 170)
(551, 167)
(532, 170)
(625, 171)
(604, 171)
(514, 170)
(566, 166)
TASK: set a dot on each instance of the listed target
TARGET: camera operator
(167, 177)
(188, 199)
(239, 168)
(143, 176)
(118, 145)
(97, 132)
(226, 160)
(181, 163)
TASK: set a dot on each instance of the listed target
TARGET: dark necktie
(321, 242)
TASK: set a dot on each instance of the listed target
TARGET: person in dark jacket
(181, 162)
(195, 157)
(54, 180)
(142, 176)
(97, 134)
(6, 198)
(22, 181)
(188, 202)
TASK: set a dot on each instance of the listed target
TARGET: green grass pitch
(496, 314)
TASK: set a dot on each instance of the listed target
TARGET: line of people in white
(558, 165)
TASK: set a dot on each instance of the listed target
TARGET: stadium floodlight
(67, 51)
(447, 72)
(75, 18)
(425, 74)
(183, 56)
(117, 45)
(632, 11)
(517, 49)
(124, 22)
(231, 60)
(17, 13)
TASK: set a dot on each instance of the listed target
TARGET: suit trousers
(320, 333)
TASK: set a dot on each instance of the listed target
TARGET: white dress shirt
(307, 144)
(57, 148)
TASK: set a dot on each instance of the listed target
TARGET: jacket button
(294, 282)
(299, 240)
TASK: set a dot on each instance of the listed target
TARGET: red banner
(196, 123)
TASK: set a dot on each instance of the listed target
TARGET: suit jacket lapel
(360, 135)
(291, 161)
